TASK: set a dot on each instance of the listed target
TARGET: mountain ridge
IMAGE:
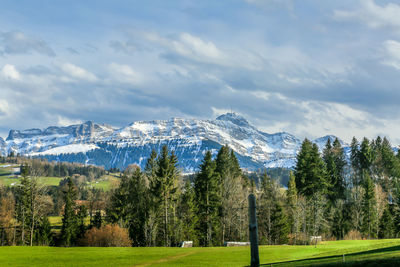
(100, 144)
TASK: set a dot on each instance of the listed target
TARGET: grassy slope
(329, 252)
(48, 181)
(106, 182)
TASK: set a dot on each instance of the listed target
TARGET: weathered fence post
(253, 229)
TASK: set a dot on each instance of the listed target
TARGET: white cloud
(4, 107)
(78, 72)
(342, 120)
(10, 72)
(323, 118)
(64, 121)
(16, 42)
(392, 50)
(375, 16)
(125, 73)
(191, 47)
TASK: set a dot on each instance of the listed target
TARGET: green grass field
(357, 253)
(106, 182)
(48, 181)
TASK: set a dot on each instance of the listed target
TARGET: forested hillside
(325, 195)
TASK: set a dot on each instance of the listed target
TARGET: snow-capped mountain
(189, 138)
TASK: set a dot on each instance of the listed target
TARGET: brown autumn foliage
(107, 236)
(353, 235)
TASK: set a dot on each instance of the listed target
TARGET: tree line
(345, 199)
(329, 194)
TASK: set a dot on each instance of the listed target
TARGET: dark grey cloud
(16, 42)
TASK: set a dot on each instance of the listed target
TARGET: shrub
(353, 235)
(107, 236)
(299, 239)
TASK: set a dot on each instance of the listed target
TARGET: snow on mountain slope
(3, 146)
(33, 141)
(189, 138)
(67, 149)
(229, 129)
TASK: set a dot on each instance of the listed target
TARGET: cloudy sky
(307, 67)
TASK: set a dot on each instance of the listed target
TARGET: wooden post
(253, 229)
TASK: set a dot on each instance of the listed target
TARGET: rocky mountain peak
(77, 130)
(234, 118)
(189, 138)
(16, 134)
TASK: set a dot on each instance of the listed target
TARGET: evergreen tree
(310, 172)
(396, 208)
(341, 219)
(165, 188)
(369, 204)
(151, 225)
(330, 164)
(387, 223)
(280, 225)
(365, 157)
(266, 202)
(207, 198)
(138, 206)
(390, 166)
(97, 220)
(118, 208)
(223, 162)
(355, 161)
(235, 167)
(43, 233)
(82, 214)
(151, 166)
(338, 181)
(291, 198)
(333, 156)
(69, 220)
(232, 188)
(187, 218)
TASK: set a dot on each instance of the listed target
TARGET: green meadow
(106, 182)
(356, 253)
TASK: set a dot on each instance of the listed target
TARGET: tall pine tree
(310, 172)
(292, 208)
(69, 228)
(165, 188)
(369, 204)
(207, 197)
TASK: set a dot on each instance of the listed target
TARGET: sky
(309, 67)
